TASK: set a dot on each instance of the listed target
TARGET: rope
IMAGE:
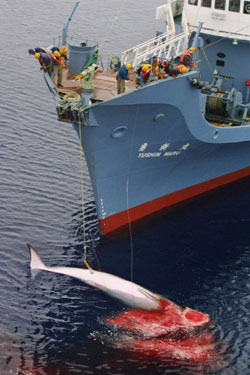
(82, 194)
(130, 235)
(127, 185)
(197, 13)
(215, 42)
(72, 97)
(226, 37)
(209, 65)
(112, 24)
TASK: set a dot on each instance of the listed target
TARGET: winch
(225, 106)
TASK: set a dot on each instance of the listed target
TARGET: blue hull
(144, 147)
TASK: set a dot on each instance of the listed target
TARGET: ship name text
(163, 150)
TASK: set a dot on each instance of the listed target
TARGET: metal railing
(165, 46)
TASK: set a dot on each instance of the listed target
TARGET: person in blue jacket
(122, 76)
(45, 61)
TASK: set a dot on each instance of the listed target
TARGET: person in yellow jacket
(87, 76)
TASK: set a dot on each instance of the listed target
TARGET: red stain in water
(195, 348)
(168, 318)
(170, 331)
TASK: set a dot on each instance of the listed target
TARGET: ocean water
(197, 254)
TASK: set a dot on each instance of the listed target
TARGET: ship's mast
(66, 25)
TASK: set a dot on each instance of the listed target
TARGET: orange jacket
(186, 58)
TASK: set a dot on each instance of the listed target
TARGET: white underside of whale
(126, 291)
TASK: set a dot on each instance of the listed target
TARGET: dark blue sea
(196, 254)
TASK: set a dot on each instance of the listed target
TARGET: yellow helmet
(191, 49)
(57, 53)
(145, 67)
(184, 69)
(37, 55)
(128, 66)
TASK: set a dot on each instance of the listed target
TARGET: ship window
(247, 7)
(234, 5)
(193, 2)
(220, 4)
(220, 63)
(206, 3)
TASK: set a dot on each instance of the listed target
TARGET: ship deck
(105, 88)
(104, 82)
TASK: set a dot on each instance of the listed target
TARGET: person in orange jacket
(143, 75)
(57, 68)
(165, 69)
(186, 57)
(178, 69)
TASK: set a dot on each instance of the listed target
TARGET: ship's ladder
(166, 46)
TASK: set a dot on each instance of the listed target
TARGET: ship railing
(57, 41)
(166, 46)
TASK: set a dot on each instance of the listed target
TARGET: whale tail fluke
(36, 262)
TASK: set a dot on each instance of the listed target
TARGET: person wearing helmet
(123, 76)
(45, 61)
(179, 69)
(57, 68)
(155, 65)
(143, 75)
(164, 69)
(186, 57)
(63, 52)
(32, 51)
(87, 76)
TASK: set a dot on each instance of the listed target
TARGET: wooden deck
(105, 84)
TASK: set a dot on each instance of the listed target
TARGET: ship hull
(136, 213)
(152, 148)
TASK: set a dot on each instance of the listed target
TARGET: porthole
(159, 117)
(119, 132)
(221, 55)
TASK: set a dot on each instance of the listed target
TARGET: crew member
(143, 75)
(87, 76)
(45, 61)
(155, 66)
(186, 57)
(32, 51)
(164, 69)
(63, 52)
(178, 69)
(57, 68)
(122, 76)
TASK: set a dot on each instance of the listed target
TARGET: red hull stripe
(120, 219)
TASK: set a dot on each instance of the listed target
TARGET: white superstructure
(225, 18)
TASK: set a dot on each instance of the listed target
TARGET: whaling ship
(176, 137)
